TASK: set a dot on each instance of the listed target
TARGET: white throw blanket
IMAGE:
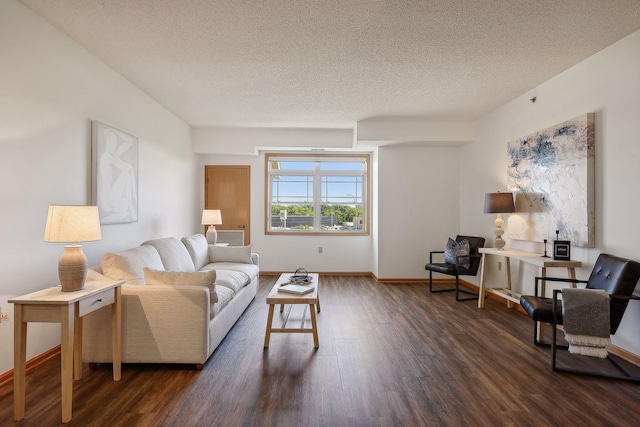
(586, 321)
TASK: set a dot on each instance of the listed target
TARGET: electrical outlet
(499, 265)
(319, 249)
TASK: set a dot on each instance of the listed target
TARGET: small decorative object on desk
(300, 276)
(296, 289)
(561, 249)
(545, 249)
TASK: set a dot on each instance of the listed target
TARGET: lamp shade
(499, 203)
(211, 217)
(70, 224)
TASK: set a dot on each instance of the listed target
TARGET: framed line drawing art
(114, 161)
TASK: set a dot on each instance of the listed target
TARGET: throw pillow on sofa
(184, 278)
(239, 254)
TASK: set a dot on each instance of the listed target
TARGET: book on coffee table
(295, 289)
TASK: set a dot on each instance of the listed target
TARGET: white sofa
(166, 316)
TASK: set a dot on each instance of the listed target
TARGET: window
(317, 194)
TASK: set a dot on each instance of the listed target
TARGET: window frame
(319, 173)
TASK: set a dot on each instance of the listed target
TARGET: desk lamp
(499, 203)
(211, 217)
(72, 224)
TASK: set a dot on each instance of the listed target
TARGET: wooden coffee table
(311, 299)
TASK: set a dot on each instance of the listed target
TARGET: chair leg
(458, 291)
(627, 374)
(535, 334)
(437, 290)
(554, 334)
(536, 339)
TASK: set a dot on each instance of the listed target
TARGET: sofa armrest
(255, 258)
(159, 323)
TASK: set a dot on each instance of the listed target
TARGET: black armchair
(457, 269)
(615, 275)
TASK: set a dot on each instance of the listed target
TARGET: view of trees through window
(339, 214)
(301, 187)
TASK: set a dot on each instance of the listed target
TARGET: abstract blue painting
(552, 174)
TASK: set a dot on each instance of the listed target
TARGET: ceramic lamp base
(212, 235)
(499, 242)
(72, 268)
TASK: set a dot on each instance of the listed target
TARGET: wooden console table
(527, 257)
(51, 305)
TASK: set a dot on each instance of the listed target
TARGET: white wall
(415, 199)
(418, 207)
(608, 84)
(248, 141)
(375, 207)
(51, 89)
(389, 131)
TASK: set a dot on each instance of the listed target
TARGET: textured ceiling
(331, 63)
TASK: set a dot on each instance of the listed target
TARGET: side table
(527, 257)
(51, 305)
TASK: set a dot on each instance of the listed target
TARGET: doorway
(228, 188)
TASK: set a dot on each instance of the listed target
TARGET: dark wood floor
(390, 355)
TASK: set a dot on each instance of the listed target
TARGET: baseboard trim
(321, 273)
(7, 377)
(392, 281)
(624, 354)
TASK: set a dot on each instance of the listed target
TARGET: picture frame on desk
(562, 250)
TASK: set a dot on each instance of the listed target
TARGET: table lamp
(72, 224)
(211, 217)
(499, 203)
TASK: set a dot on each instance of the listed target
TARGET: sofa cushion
(174, 255)
(237, 254)
(128, 265)
(184, 278)
(234, 280)
(251, 270)
(225, 295)
(198, 249)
